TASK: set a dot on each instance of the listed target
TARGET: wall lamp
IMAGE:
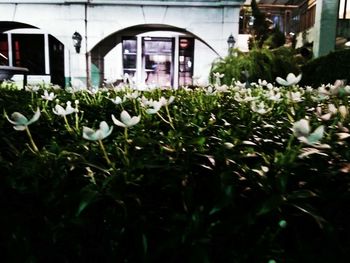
(231, 42)
(77, 41)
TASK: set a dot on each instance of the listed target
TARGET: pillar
(325, 26)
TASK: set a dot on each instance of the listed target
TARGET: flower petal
(301, 128)
(59, 110)
(89, 134)
(18, 119)
(281, 81)
(105, 130)
(134, 120)
(35, 117)
(19, 127)
(117, 122)
(316, 136)
(125, 117)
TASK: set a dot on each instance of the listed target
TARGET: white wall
(211, 21)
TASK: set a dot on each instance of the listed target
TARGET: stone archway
(30, 47)
(101, 49)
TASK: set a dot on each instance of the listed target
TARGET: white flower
(308, 89)
(166, 102)
(34, 88)
(133, 95)
(290, 80)
(260, 108)
(274, 96)
(48, 96)
(262, 82)
(154, 107)
(59, 110)
(217, 77)
(117, 100)
(222, 88)
(99, 134)
(126, 120)
(301, 130)
(20, 122)
(239, 84)
(295, 96)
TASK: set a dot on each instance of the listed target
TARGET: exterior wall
(325, 26)
(211, 21)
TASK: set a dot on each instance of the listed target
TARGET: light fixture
(347, 43)
(183, 43)
(77, 41)
(231, 42)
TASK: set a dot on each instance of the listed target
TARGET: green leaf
(301, 194)
(88, 196)
(310, 211)
(270, 204)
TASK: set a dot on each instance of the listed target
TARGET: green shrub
(209, 178)
(327, 69)
(262, 64)
(276, 38)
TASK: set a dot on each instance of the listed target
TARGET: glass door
(186, 51)
(158, 61)
(129, 55)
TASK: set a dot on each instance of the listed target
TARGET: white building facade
(164, 43)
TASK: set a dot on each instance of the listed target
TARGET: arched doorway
(24, 45)
(152, 54)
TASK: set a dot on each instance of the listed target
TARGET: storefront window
(28, 52)
(186, 50)
(4, 59)
(129, 56)
(158, 61)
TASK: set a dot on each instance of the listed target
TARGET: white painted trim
(139, 69)
(47, 54)
(10, 54)
(131, 2)
(176, 63)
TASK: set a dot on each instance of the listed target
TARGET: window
(4, 59)
(344, 9)
(129, 56)
(158, 60)
(28, 52)
(186, 50)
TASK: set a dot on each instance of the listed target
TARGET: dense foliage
(222, 174)
(257, 64)
(327, 69)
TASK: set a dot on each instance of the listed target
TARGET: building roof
(277, 2)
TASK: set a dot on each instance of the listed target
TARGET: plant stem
(76, 121)
(67, 124)
(126, 147)
(169, 117)
(35, 148)
(104, 152)
(172, 126)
